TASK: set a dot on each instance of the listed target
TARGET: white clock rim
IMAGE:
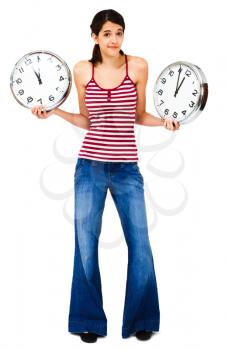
(203, 90)
(61, 60)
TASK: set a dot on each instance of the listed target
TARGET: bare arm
(143, 117)
(76, 119)
(148, 119)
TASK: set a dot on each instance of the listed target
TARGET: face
(110, 38)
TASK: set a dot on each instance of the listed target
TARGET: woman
(111, 91)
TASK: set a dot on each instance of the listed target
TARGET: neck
(112, 62)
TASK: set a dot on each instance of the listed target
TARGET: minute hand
(179, 71)
(38, 76)
(178, 88)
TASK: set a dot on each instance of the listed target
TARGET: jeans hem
(148, 325)
(87, 326)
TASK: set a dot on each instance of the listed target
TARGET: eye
(119, 33)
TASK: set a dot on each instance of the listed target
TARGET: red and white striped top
(111, 136)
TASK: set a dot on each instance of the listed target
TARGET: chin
(113, 52)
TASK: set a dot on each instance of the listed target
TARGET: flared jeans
(125, 182)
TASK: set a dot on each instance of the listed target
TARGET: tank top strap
(92, 71)
(126, 65)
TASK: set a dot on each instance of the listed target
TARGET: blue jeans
(92, 179)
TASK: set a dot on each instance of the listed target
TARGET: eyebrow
(107, 30)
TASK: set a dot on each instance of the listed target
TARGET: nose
(114, 39)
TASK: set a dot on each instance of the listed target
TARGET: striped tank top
(111, 136)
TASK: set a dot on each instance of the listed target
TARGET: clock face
(177, 91)
(40, 77)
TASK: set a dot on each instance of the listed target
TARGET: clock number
(58, 66)
(40, 100)
(166, 111)
(188, 73)
(171, 72)
(195, 92)
(18, 81)
(38, 58)
(29, 99)
(51, 98)
(61, 78)
(175, 114)
(160, 92)
(184, 112)
(57, 89)
(21, 92)
(21, 70)
(163, 80)
(192, 104)
(161, 102)
(28, 61)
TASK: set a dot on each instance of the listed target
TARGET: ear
(95, 38)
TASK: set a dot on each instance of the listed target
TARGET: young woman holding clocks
(112, 97)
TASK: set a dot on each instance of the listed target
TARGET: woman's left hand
(171, 124)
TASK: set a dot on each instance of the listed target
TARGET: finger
(170, 124)
(44, 113)
(39, 112)
(175, 125)
(34, 107)
(34, 110)
(42, 108)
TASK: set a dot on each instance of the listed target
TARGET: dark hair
(99, 19)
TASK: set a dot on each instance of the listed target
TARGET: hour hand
(179, 71)
(178, 88)
(37, 75)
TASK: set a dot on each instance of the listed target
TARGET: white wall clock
(41, 77)
(180, 92)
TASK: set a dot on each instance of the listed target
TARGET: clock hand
(38, 76)
(40, 81)
(180, 70)
(179, 87)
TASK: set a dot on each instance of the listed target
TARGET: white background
(37, 238)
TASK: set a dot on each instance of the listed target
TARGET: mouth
(113, 47)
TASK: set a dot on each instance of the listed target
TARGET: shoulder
(138, 68)
(82, 71)
(138, 62)
(81, 65)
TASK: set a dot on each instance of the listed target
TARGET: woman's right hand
(40, 112)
